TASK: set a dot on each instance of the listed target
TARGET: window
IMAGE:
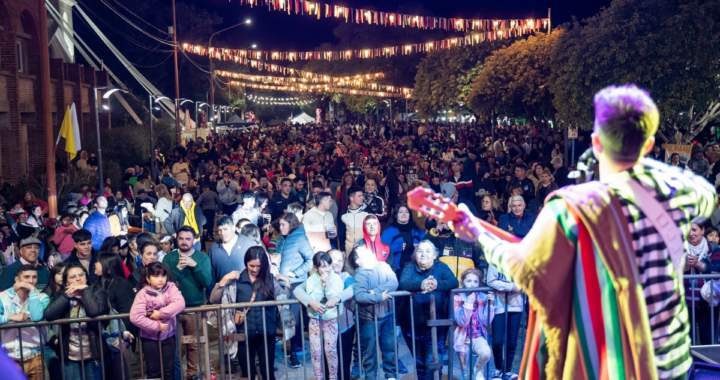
(21, 55)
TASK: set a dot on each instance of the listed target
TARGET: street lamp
(212, 71)
(97, 130)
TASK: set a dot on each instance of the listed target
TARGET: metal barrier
(693, 280)
(202, 339)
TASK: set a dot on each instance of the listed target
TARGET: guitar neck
(493, 229)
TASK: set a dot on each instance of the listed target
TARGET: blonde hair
(162, 192)
(549, 174)
(494, 203)
(513, 199)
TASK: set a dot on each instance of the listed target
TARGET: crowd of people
(316, 213)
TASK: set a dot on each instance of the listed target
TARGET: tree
(669, 47)
(515, 80)
(443, 77)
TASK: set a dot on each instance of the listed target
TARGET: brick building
(22, 126)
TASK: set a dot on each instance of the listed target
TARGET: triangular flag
(70, 132)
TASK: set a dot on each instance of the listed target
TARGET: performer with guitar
(603, 265)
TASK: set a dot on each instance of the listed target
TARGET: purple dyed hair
(625, 117)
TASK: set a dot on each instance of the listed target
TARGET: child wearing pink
(472, 319)
(63, 239)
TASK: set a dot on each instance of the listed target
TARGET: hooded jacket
(296, 255)
(380, 249)
(168, 301)
(177, 219)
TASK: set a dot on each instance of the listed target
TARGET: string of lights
(320, 88)
(356, 81)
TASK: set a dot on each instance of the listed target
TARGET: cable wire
(153, 66)
(140, 18)
(141, 30)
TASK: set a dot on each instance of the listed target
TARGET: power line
(152, 66)
(140, 18)
(141, 30)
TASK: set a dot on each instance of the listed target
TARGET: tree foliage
(444, 76)
(670, 47)
(515, 80)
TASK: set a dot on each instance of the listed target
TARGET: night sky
(273, 30)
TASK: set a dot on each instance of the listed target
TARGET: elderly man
(97, 223)
(188, 214)
(24, 303)
(29, 252)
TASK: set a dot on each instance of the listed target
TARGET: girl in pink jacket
(153, 312)
(472, 319)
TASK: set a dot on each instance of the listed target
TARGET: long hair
(154, 269)
(109, 243)
(162, 192)
(53, 286)
(292, 220)
(112, 268)
(73, 266)
(263, 282)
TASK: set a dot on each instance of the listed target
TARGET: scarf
(370, 196)
(190, 220)
(700, 251)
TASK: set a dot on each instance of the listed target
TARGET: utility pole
(47, 112)
(177, 79)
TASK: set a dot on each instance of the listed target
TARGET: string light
(357, 81)
(320, 88)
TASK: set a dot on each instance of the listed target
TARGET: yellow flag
(68, 133)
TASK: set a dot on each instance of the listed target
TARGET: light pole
(212, 71)
(152, 134)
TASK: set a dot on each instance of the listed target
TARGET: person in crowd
(321, 286)
(341, 194)
(352, 221)
(675, 161)
(84, 253)
(247, 210)
(209, 203)
(148, 255)
(280, 201)
(29, 199)
(111, 244)
(317, 188)
(374, 203)
(254, 283)
(296, 209)
(154, 312)
(432, 278)
(29, 255)
(712, 235)
(560, 172)
(119, 223)
(374, 280)
(181, 171)
(81, 218)
(473, 314)
(188, 214)
(24, 303)
(162, 209)
(52, 343)
(546, 186)
(521, 181)
(296, 261)
(112, 279)
(698, 163)
(191, 270)
(510, 301)
(35, 217)
(227, 191)
(517, 221)
(372, 240)
(702, 257)
(402, 237)
(166, 246)
(319, 223)
(457, 254)
(299, 189)
(97, 223)
(83, 345)
(228, 253)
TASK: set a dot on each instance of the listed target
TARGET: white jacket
(499, 282)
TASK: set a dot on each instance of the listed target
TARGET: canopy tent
(303, 118)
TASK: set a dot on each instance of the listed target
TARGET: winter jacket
(94, 301)
(527, 186)
(411, 280)
(346, 316)
(377, 206)
(464, 187)
(99, 226)
(227, 193)
(350, 228)
(168, 301)
(394, 238)
(457, 254)
(296, 255)
(504, 287)
(223, 262)
(518, 227)
(254, 316)
(64, 241)
(317, 291)
(378, 279)
(177, 219)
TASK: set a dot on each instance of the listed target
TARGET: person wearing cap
(24, 303)
(29, 253)
(698, 163)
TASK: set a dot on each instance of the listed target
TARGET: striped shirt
(685, 197)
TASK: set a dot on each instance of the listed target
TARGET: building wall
(22, 128)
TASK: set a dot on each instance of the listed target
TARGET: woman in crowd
(80, 220)
(82, 341)
(63, 235)
(402, 237)
(111, 274)
(341, 196)
(489, 208)
(508, 300)
(30, 200)
(546, 186)
(35, 218)
(119, 224)
(375, 204)
(52, 344)
(161, 210)
(296, 261)
(148, 254)
(254, 284)
(702, 257)
(431, 278)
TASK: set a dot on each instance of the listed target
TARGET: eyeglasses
(77, 276)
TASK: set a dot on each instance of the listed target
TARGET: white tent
(303, 118)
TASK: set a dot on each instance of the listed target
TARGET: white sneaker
(479, 375)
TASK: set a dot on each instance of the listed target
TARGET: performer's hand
(466, 227)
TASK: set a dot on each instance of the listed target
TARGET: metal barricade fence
(701, 305)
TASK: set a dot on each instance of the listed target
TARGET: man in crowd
(351, 224)
(319, 223)
(24, 303)
(84, 253)
(464, 190)
(97, 223)
(279, 202)
(299, 189)
(247, 210)
(191, 269)
(227, 191)
(227, 254)
(29, 252)
(187, 215)
(209, 203)
(142, 197)
(521, 181)
(317, 188)
(561, 172)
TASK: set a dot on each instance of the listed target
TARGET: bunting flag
(321, 88)
(502, 31)
(356, 82)
(365, 16)
(70, 131)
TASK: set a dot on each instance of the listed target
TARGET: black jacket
(561, 177)
(73, 258)
(254, 317)
(411, 280)
(95, 302)
(121, 297)
(278, 204)
(177, 219)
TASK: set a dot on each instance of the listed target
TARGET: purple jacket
(99, 226)
(169, 302)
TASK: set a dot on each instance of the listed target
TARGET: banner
(685, 152)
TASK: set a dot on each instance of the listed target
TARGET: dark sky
(273, 30)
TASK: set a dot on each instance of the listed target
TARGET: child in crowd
(153, 312)
(323, 287)
(471, 323)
